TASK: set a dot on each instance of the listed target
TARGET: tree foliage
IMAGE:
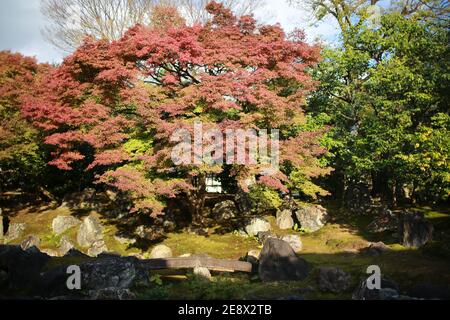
(112, 108)
(386, 90)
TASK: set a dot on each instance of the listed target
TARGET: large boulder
(224, 210)
(312, 217)
(63, 223)
(90, 232)
(111, 294)
(97, 248)
(414, 230)
(284, 219)
(161, 252)
(30, 241)
(278, 262)
(389, 291)
(20, 270)
(294, 241)
(264, 235)
(65, 245)
(15, 231)
(333, 280)
(257, 225)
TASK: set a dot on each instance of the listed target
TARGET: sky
(21, 23)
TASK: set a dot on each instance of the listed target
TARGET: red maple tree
(115, 106)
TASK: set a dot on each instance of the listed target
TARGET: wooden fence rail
(192, 262)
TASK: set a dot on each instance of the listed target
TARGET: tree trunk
(197, 200)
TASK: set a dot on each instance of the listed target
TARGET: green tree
(385, 89)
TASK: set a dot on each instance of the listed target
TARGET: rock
(90, 232)
(387, 221)
(21, 269)
(111, 294)
(389, 291)
(202, 273)
(124, 239)
(97, 248)
(294, 241)
(253, 255)
(160, 252)
(186, 255)
(333, 280)
(264, 235)
(30, 241)
(414, 230)
(51, 253)
(75, 253)
(63, 223)
(111, 272)
(312, 218)
(278, 262)
(284, 220)
(257, 225)
(375, 249)
(224, 210)
(15, 231)
(65, 245)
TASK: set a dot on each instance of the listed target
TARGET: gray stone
(312, 218)
(97, 248)
(333, 280)
(111, 294)
(124, 239)
(284, 219)
(30, 241)
(389, 291)
(63, 223)
(114, 272)
(160, 252)
(65, 245)
(51, 253)
(264, 235)
(15, 231)
(90, 232)
(202, 273)
(224, 210)
(278, 262)
(257, 225)
(375, 249)
(294, 241)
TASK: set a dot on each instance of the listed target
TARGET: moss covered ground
(337, 244)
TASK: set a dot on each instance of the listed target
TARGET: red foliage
(227, 73)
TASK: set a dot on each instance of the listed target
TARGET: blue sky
(21, 22)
